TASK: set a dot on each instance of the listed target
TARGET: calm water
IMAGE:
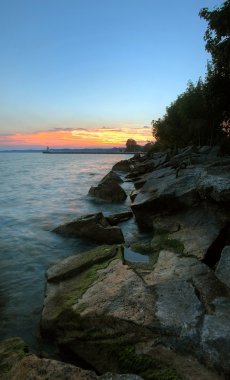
(37, 193)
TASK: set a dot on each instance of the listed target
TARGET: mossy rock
(11, 351)
(145, 366)
(163, 241)
(78, 275)
(75, 265)
(142, 247)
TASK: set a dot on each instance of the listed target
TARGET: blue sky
(93, 63)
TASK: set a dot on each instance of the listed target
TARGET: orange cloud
(77, 137)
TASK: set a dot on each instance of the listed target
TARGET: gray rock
(215, 336)
(164, 192)
(179, 310)
(171, 266)
(215, 186)
(94, 227)
(93, 308)
(223, 267)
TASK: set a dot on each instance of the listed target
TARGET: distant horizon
(63, 149)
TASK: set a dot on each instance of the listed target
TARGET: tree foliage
(201, 113)
(217, 36)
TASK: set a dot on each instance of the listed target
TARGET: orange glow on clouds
(77, 138)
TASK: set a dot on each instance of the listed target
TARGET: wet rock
(94, 227)
(112, 177)
(109, 191)
(223, 267)
(133, 195)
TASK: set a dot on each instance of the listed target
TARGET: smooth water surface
(37, 193)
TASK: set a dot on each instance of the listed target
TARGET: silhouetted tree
(132, 146)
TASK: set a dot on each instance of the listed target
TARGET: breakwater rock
(109, 188)
(154, 318)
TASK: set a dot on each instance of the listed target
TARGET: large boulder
(111, 314)
(94, 227)
(167, 190)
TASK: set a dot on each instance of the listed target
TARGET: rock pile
(162, 318)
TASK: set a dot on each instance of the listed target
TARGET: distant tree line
(201, 114)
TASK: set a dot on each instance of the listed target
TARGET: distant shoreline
(67, 152)
(88, 152)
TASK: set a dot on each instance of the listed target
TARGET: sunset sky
(93, 73)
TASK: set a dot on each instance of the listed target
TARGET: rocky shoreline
(166, 317)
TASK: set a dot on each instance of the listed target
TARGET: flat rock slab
(171, 266)
(74, 265)
(195, 228)
(178, 309)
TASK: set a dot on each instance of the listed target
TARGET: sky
(93, 73)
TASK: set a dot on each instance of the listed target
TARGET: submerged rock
(94, 227)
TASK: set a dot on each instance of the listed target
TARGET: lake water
(37, 193)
